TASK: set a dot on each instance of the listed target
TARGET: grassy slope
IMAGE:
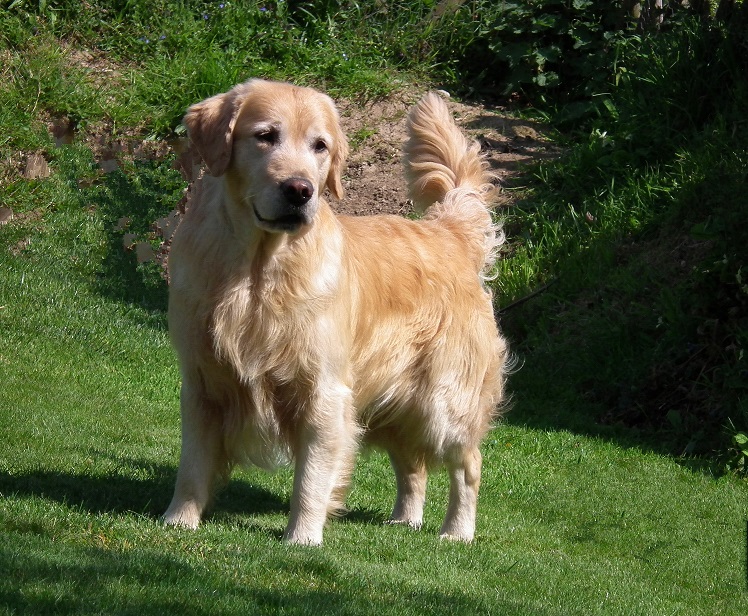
(568, 523)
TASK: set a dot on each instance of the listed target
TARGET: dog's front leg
(201, 461)
(325, 445)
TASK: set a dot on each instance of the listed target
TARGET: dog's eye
(268, 136)
(320, 146)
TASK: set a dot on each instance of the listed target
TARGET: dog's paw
(414, 524)
(300, 539)
(459, 537)
(184, 517)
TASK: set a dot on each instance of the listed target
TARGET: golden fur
(302, 334)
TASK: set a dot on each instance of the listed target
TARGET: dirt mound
(374, 180)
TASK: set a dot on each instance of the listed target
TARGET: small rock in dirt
(36, 167)
(109, 165)
(63, 131)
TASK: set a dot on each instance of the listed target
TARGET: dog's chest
(265, 332)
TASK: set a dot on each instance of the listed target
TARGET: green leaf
(611, 107)
(547, 80)
(707, 230)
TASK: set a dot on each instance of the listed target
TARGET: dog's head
(279, 146)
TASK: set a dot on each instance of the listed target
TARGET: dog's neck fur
(271, 283)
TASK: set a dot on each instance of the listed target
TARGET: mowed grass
(568, 523)
(89, 425)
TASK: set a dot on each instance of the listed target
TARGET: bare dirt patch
(374, 180)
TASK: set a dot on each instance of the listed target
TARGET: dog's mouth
(288, 223)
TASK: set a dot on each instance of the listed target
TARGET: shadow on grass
(366, 516)
(121, 494)
(66, 579)
(130, 203)
(43, 577)
(118, 494)
(558, 385)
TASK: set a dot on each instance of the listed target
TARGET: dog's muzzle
(293, 213)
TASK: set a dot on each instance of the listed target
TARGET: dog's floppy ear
(339, 153)
(210, 125)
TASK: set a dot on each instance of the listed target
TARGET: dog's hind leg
(464, 466)
(411, 477)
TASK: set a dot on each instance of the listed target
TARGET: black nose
(297, 191)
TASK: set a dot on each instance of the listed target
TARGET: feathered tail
(447, 174)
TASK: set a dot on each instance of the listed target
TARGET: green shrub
(644, 224)
(531, 46)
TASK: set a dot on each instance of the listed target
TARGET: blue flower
(206, 17)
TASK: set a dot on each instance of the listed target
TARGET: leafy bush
(533, 46)
(644, 222)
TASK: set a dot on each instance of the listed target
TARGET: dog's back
(428, 341)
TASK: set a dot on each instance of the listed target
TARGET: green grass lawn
(575, 517)
(568, 524)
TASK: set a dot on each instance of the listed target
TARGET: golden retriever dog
(303, 335)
